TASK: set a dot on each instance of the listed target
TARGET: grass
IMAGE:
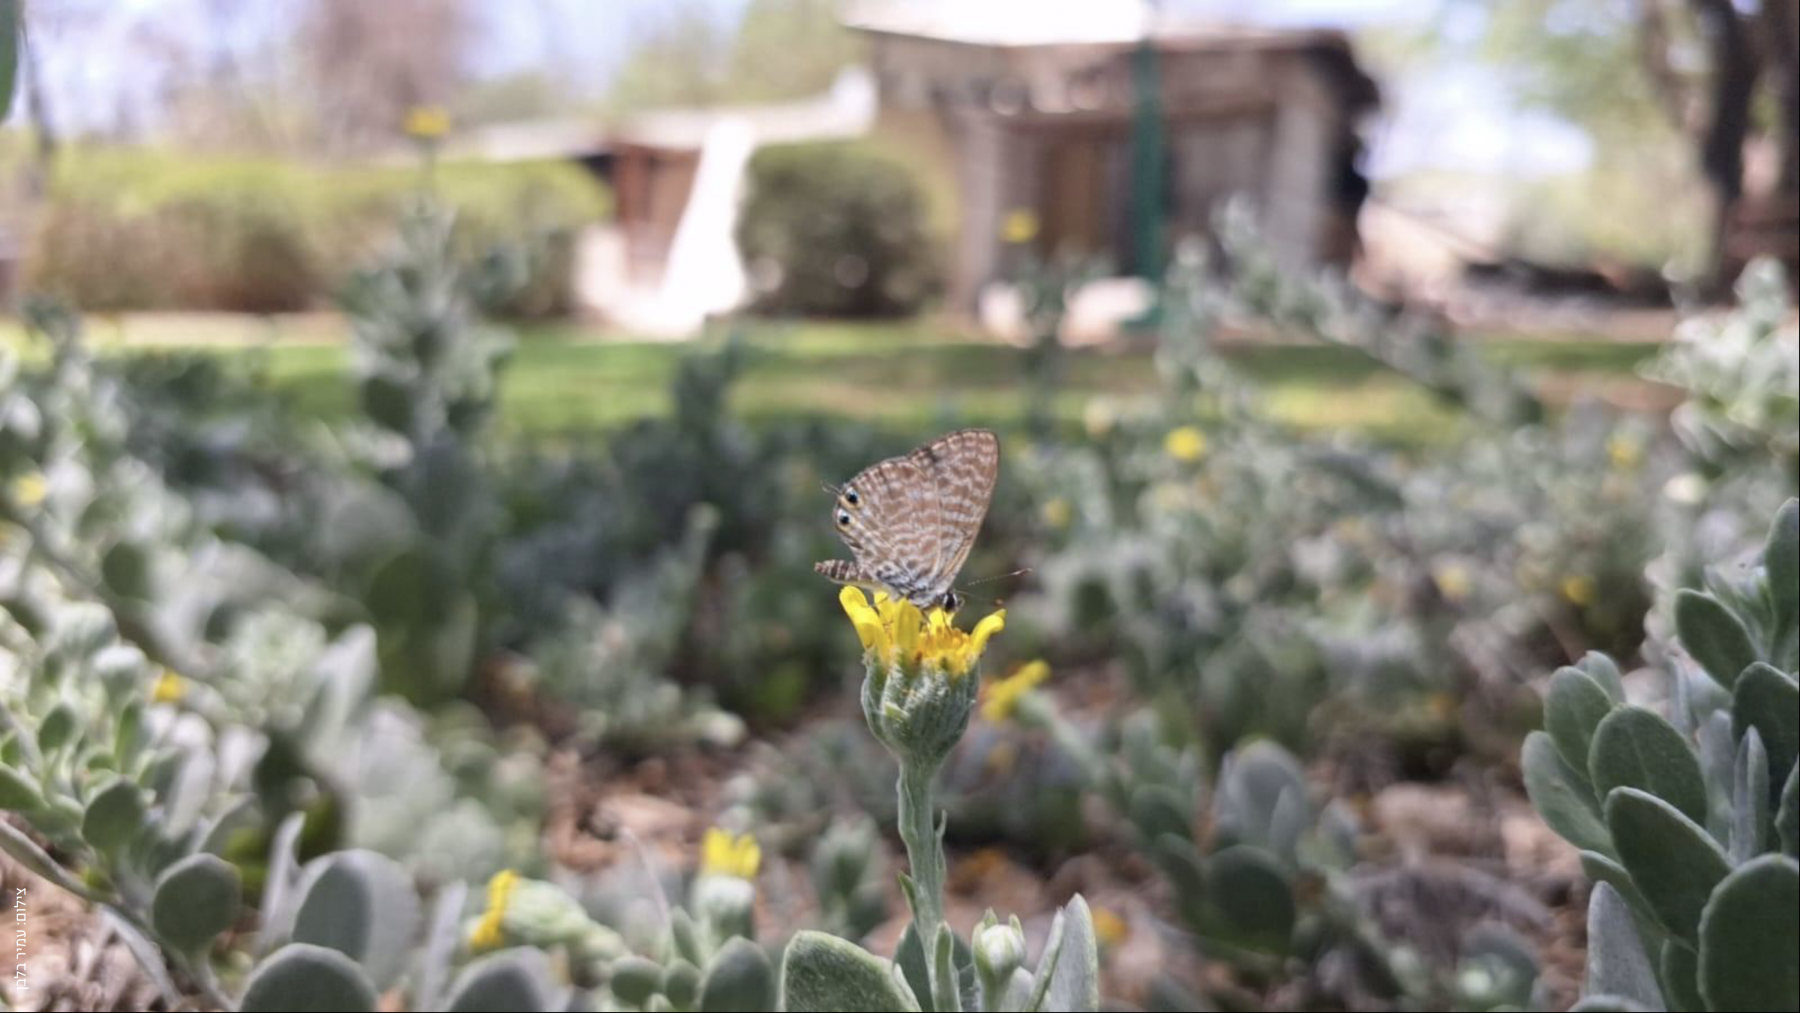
(562, 383)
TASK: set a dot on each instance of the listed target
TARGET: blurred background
(413, 417)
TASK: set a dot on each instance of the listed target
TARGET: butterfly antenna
(1000, 576)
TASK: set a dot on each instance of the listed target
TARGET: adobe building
(1117, 131)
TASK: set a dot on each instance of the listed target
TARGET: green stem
(924, 850)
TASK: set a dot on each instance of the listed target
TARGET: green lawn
(562, 382)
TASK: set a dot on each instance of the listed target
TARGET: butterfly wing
(889, 516)
(964, 467)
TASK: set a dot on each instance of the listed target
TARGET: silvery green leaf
(1749, 936)
(512, 981)
(1749, 799)
(361, 904)
(196, 899)
(739, 978)
(1617, 963)
(303, 977)
(822, 973)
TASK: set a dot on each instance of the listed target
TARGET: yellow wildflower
(489, 933)
(1453, 581)
(1579, 589)
(1109, 928)
(168, 688)
(897, 630)
(30, 489)
(1058, 513)
(1003, 697)
(1186, 444)
(1626, 453)
(427, 123)
(722, 854)
(1099, 417)
(1019, 226)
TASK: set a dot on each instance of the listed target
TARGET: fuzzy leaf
(114, 816)
(1749, 799)
(1781, 561)
(1574, 707)
(196, 899)
(822, 973)
(1787, 818)
(1670, 858)
(1617, 963)
(513, 981)
(1769, 701)
(1250, 900)
(1681, 975)
(362, 904)
(1749, 938)
(739, 978)
(1713, 636)
(1636, 748)
(1562, 796)
(305, 978)
(1075, 981)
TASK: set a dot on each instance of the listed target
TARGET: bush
(134, 230)
(837, 230)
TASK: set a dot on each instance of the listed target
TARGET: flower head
(897, 632)
(1019, 226)
(1579, 589)
(1186, 444)
(917, 694)
(427, 123)
(29, 490)
(489, 932)
(168, 688)
(723, 854)
(1002, 698)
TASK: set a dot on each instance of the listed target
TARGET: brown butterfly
(910, 520)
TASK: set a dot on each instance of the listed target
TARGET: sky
(1455, 117)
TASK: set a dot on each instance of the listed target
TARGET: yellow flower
(427, 123)
(1003, 697)
(29, 490)
(1058, 513)
(896, 630)
(488, 933)
(1579, 589)
(1019, 226)
(1109, 928)
(1186, 444)
(722, 854)
(1099, 417)
(1453, 581)
(168, 688)
(1625, 452)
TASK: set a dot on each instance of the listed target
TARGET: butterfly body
(911, 520)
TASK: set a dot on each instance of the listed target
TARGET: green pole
(1147, 160)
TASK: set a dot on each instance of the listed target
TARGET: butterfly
(910, 520)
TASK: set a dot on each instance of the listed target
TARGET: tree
(365, 64)
(1629, 70)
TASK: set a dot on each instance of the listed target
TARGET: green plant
(134, 228)
(836, 229)
(919, 689)
(1686, 823)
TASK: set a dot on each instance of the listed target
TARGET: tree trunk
(1735, 68)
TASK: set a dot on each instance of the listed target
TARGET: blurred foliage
(837, 229)
(148, 229)
(779, 49)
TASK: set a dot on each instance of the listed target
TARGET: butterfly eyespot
(850, 497)
(843, 518)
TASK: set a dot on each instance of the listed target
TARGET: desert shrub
(160, 230)
(837, 230)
